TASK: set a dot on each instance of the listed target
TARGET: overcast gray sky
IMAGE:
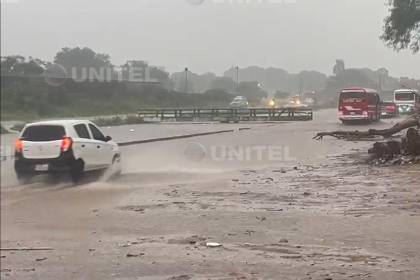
(292, 34)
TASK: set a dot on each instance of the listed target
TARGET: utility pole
(237, 79)
(380, 83)
(186, 79)
(382, 74)
(300, 84)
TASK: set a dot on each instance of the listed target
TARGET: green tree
(223, 83)
(402, 26)
(78, 61)
(138, 69)
(19, 66)
(339, 67)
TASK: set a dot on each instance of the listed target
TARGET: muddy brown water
(317, 212)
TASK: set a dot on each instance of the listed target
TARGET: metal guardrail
(227, 114)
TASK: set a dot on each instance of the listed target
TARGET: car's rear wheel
(77, 171)
(24, 178)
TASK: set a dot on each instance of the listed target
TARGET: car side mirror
(108, 138)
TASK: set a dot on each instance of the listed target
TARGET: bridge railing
(227, 114)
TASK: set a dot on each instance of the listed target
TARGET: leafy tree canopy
(17, 65)
(81, 58)
(402, 26)
(339, 67)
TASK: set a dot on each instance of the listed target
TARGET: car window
(43, 133)
(97, 134)
(82, 131)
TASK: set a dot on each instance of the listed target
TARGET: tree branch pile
(412, 121)
(396, 152)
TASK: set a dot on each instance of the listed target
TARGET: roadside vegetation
(27, 94)
(118, 120)
(3, 130)
(401, 29)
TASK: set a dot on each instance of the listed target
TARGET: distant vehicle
(296, 102)
(273, 103)
(239, 102)
(65, 146)
(359, 104)
(407, 100)
(309, 99)
(389, 109)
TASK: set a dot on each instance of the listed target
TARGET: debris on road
(262, 219)
(130, 255)
(396, 152)
(181, 277)
(412, 121)
(405, 152)
(189, 240)
(213, 245)
(128, 244)
(27, 249)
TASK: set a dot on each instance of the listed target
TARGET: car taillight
(19, 145)
(66, 143)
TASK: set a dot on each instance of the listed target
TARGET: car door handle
(83, 146)
(98, 147)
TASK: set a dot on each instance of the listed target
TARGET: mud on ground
(339, 220)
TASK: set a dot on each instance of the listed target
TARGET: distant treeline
(32, 98)
(81, 82)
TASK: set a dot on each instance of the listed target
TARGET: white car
(239, 102)
(64, 146)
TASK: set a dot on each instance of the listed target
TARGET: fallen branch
(412, 121)
(27, 249)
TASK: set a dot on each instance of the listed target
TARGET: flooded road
(283, 206)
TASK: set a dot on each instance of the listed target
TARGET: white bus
(407, 100)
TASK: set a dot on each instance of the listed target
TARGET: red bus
(359, 104)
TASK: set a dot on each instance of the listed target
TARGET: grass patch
(117, 120)
(3, 130)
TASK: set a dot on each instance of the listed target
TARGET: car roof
(406, 90)
(58, 122)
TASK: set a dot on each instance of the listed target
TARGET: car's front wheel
(116, 165)
(115, 168)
